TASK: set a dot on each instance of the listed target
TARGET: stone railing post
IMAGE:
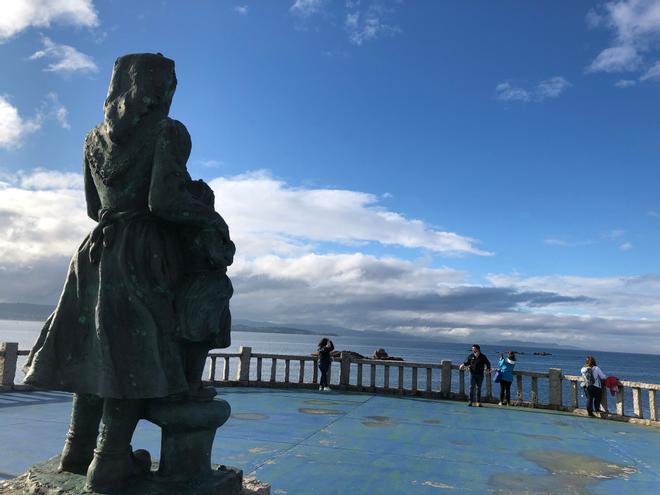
(243, 370)
(8, 359)
(554, 393)
(345, 369)
(445, 379)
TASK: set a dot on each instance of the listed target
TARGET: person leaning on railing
(592, 383)
(478, 363)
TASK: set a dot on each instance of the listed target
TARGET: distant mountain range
(25, 311)
(40, 312)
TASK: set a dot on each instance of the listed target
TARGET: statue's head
(141, 84)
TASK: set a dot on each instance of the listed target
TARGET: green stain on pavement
(569, 473)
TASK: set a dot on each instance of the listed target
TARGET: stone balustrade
(444, 380)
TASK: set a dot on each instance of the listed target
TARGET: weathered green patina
(146, 295)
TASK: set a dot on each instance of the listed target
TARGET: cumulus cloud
(368, 24)
(307, 8)
(17, 15)
(14, 128)
(42, 214)
(635, 25)
(64, 58)
(363, 20)
(284, 272)
(260, 207)
(548, 88)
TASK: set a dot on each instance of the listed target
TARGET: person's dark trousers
(475, 387)
(505, 392)
(594, 396)
(324, 367)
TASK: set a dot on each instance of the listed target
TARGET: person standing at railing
(505, 376)
(592, 383)
(478, 364)
(325, 360)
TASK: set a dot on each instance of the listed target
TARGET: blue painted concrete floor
(307, 442)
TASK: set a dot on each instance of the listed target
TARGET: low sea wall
(633, 402)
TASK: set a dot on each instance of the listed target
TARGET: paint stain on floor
(542, 437)
(331, 412)
(568, 473)
(249, 416)
(434, 484)
(321, 402)
(378, 422)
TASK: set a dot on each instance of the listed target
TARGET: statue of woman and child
(146, 295)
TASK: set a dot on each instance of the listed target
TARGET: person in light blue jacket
(505, 366)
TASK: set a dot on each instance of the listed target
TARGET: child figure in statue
(115, 338)
(203, 300)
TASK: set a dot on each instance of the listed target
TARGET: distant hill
(241, 327)
(25, 311)
(533, 345)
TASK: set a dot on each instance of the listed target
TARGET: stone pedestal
(188, 430)
(44, 479)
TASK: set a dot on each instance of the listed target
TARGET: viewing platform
(372, 434)
(304, 441)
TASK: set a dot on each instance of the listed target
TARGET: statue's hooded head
(142, 84)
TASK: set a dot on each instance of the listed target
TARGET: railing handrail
(625, 383)
(406, 379)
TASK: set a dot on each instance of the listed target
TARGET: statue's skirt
(113, 333)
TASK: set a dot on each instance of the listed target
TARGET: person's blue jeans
(475, 387)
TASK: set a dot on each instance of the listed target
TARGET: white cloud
(241, 9)
(614, 234)
(17, 15)
(636, 28)
(626, 246)
(652, 73)
(548, 88)
(551, 88)
(307, 8)
(42, 214)
(507, 92)
(363, 21)
(625, 83)
(64, 58)
(13, 127)
(43, 220)
(555, 241)
(624, 297)
(258, 206)
(367, 26)
(210, 163)
(616, 59)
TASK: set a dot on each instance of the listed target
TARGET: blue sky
(472, 170)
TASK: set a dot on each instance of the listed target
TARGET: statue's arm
(169, 197)
(91, 194)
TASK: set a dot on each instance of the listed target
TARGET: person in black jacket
(478, 364)
(325, 360)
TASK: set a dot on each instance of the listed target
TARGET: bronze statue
(147, 293)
